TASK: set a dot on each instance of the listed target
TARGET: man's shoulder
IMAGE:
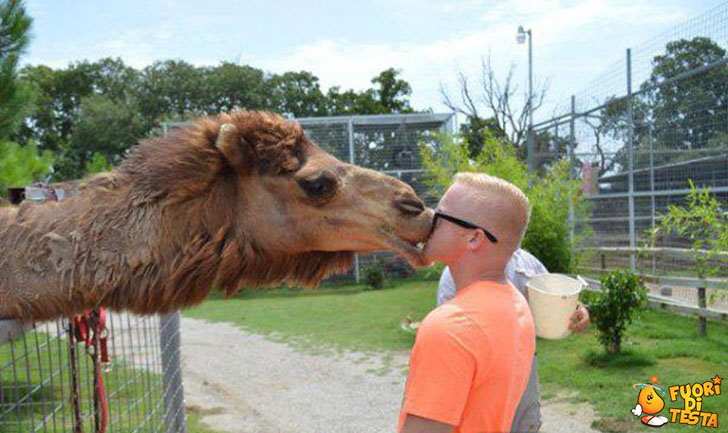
(449, 317)
(451, 321)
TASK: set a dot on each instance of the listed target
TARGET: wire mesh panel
(47, 377)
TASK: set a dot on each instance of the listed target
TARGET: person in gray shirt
(520, 268)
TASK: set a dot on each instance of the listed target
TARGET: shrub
(374, 275)
(611, 309)
(704, 222)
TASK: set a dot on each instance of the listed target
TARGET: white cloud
(568, 33)
(573, 42)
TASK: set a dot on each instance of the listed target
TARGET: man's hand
(580, 318)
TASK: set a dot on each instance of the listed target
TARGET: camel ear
(228, 142)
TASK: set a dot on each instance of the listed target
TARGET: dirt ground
(245, 383)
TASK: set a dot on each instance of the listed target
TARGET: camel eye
(319, 187)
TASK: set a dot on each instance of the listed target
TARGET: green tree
(15, 98)
(59, 94)
(351, 102)
(392, 93)
(102, 126)
(389, 96)
(686, 111)
(172, 87)
(296, 94)
(22, 165)
(704, 223)
(230, 86)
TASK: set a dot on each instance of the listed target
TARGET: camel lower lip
(412, 252)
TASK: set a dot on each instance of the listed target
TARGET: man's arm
(416, 424)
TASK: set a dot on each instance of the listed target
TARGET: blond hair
(500, 205)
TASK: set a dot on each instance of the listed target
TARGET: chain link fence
(48, 381)
(98, 372)
(636, 136)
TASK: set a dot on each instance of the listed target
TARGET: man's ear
(477, 239)
(236, 151)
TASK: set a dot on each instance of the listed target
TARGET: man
(472, 356)
(520, 268)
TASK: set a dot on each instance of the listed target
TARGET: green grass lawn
(351, 318)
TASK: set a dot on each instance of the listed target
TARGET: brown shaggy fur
(157, 233)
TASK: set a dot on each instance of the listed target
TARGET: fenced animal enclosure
(48, 381)
(636, 136)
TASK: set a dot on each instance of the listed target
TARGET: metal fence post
(174, 416)
(630, 152)
(570, 155)
(702, 321)
(352, 161)
(652, 188)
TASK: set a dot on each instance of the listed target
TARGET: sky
(346, 43)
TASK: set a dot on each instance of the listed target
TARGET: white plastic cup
(553, 299)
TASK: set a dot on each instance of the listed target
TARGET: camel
(243, 199)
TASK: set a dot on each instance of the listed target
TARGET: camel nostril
(410, 206)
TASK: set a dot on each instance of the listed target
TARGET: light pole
(521, 38)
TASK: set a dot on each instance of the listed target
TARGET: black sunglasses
(462, 223)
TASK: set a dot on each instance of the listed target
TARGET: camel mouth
(412, 252)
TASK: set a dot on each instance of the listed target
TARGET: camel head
(303, 209)
(298, 198)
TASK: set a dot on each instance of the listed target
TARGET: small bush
(374, 275)
(612, 309)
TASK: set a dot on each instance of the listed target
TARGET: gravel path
(244, 383)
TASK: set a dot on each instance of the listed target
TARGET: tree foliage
(22, 165)
(105, 106)
(15, 98)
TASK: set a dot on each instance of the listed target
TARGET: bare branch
(497, 97)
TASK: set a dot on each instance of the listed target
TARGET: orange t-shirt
(471, 360)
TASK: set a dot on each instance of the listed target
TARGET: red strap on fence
(91, 329)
